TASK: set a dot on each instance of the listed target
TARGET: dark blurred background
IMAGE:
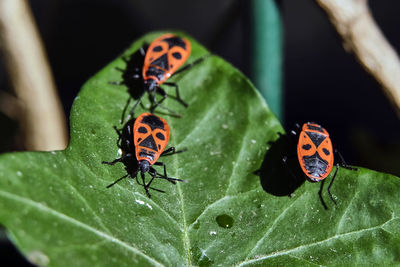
(322, 83)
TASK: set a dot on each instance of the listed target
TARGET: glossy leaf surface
(58, 211)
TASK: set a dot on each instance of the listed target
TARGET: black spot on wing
(142, 130)
(326, 151)
(306, 147)
(157, 48)
(160, 136)
(177, 55)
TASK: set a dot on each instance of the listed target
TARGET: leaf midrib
(123, 188)
(84, 201)
(82, 225)
(186, 240)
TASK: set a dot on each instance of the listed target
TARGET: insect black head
(144, 166)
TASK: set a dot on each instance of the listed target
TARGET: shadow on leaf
(276, 177)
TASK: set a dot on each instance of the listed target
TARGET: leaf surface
(57, 209)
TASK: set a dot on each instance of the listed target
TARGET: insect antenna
(123, 177)
(112, 162)
(171, 112)
(188, 66)
(170, 179)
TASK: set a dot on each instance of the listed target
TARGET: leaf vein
(186, 240)
(344, 214)
(218, 200)
(205, 118)
(77, 223)
(301, 259)
(242, 146)
(291, 250)
(137, 193)
(259, 242)
(98, 219)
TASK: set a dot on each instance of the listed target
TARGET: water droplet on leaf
(224, 221)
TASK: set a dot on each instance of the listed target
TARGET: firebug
(315, 155)
(153, 66)
(143, 141)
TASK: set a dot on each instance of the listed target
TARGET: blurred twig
(10, 106)
(354, 22)
(42, 117)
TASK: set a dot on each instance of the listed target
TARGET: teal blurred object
(266, 53)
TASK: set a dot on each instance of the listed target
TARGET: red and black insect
(315, 155)
(143, 141)
(315, 152)
(152, 66)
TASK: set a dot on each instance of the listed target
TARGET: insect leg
(142, 51)
(124, 110)
(123, 177)
(114, 161)
(145, 186)
(295, 131)
(162, 93)
(165, 169)
(118, 132)
(165, 176)
(135, 105)
(119, 136)
(153, 176)
(330, 184)
(320, 194)
(137, 180)
(171, 149)
(293, 134)
(156, 103)
(172, 180)
(343, 163)
(178, 97)
(188, 66)
(117, 160)
(153, 98)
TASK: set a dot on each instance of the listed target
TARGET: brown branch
(43, 119)
(361, 36)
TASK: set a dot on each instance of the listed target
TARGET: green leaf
(57, 209)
